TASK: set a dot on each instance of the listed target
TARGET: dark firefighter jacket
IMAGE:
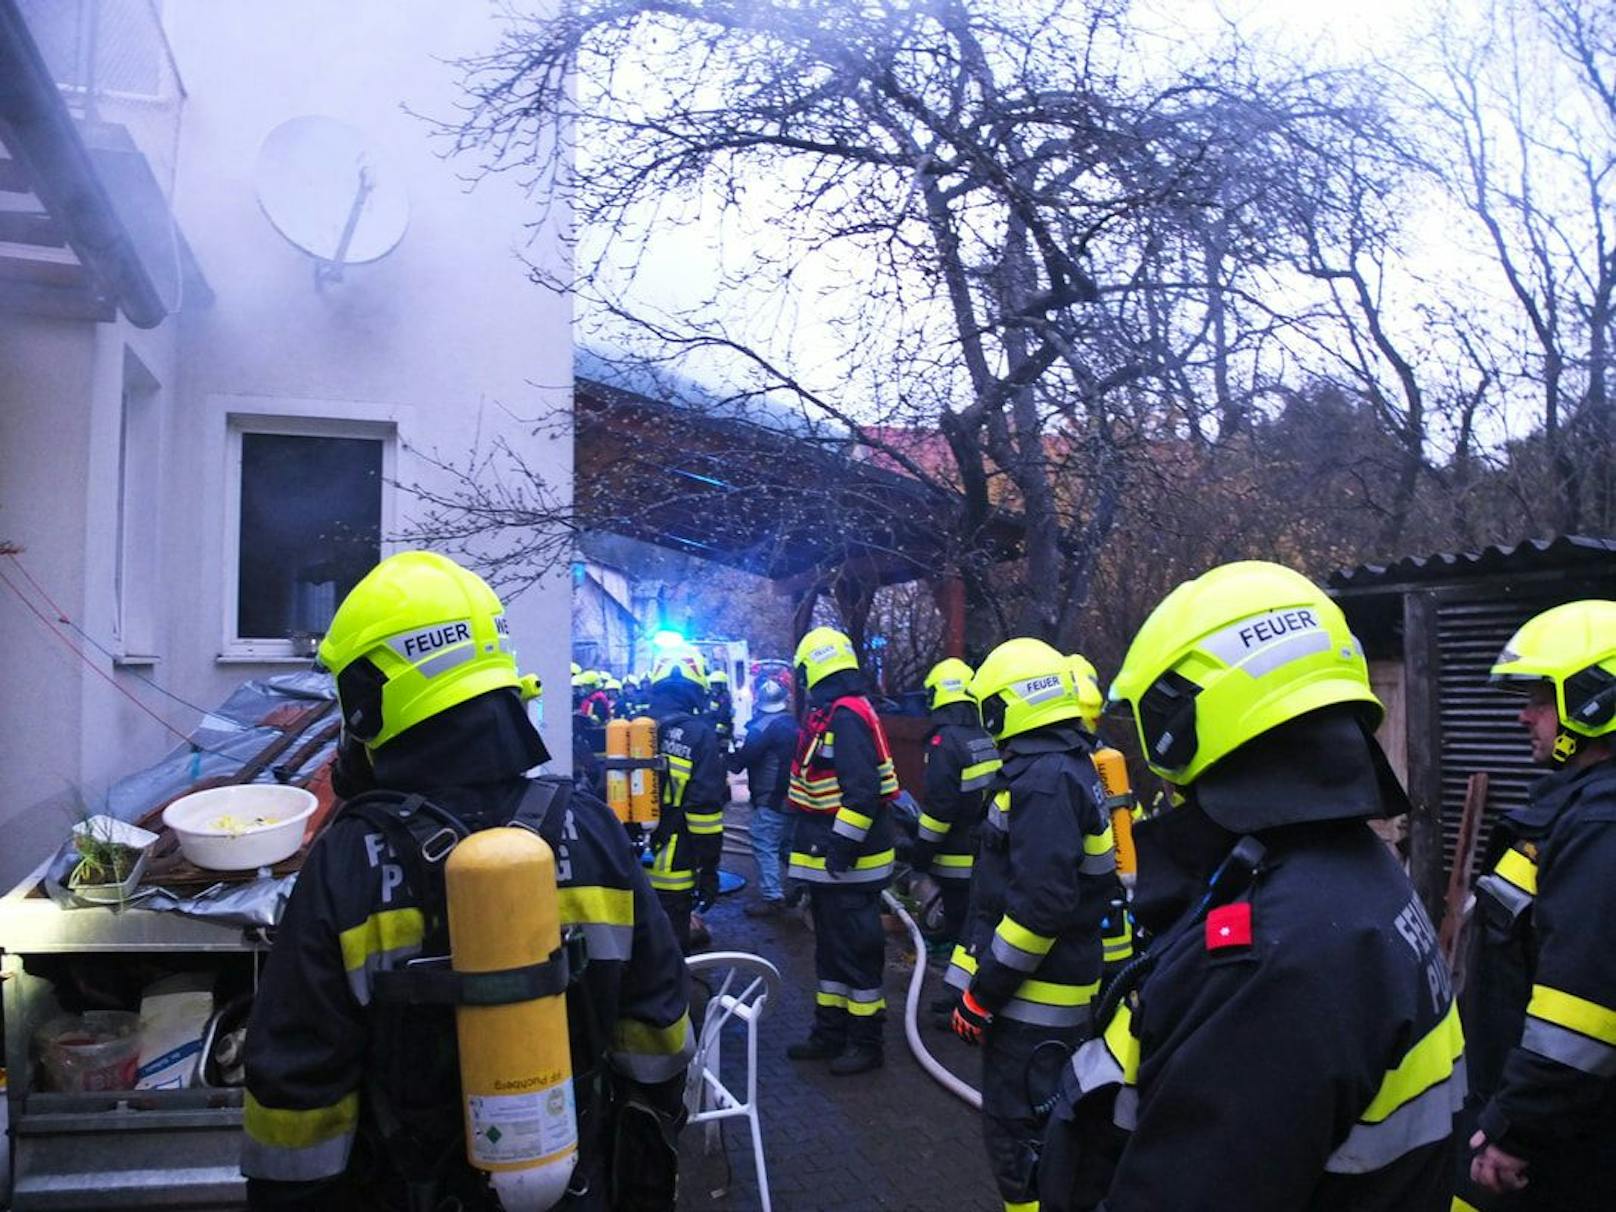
(961, 760)
(315, 1042)
(765, 755)
(850, 785)
(1541, 999)
(694, 789)
(1030, 949)
(1296, 1048)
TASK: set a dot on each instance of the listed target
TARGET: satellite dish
(331, 194)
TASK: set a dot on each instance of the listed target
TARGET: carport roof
(716, 484)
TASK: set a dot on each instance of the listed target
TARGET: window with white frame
(311, 504)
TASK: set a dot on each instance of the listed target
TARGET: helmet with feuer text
(416, 636)
(1232, 654)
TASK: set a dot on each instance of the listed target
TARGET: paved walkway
(892, 1140)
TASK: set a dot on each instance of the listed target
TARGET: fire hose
(911, 1010)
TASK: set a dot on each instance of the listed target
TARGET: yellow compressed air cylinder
(645, 804)
(515, 1059)
(1113, 768)
(617, 781)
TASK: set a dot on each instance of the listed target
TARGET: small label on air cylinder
(510, 1128)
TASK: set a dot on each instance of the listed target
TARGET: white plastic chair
(742, 986)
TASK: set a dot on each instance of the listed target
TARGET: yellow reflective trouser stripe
(1017, 935)
(857, 819)
(951, 860)
(855, 1007)
(930, 824)
(285, 1128)
(591, 903)
(1427, 1063)
(1463, 1205)
(1574, 1013)
(1121, 1044)
(1098, 843)
(963, 959)
(863, 863)
(1024, 1206)
(1518, 870)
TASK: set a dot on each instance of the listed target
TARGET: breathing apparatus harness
(421, 835)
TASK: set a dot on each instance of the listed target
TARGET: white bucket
(240, 828)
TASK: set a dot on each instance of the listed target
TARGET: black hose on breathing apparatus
(1245, 858)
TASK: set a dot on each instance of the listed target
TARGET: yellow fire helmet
(680, 663)
(1231, 654)
(949, 682)
(822, 652)
(1088, 689)
(717, 678)
(418, 635)
(1571, 648)
(585, 679)
(611, 684)
(1024, 684)
(576, 669)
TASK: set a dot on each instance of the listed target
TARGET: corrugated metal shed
(1562, 553)
(1446, 617)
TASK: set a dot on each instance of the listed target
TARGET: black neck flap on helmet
(1322, 766)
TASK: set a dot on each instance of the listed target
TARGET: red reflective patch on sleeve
(1229, 926)
(936, 740)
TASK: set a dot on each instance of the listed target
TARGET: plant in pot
(108, 868)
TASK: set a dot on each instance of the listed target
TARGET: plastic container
(219, 828)
(96, 1050)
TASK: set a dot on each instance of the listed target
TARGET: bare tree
(1526, 135)
(1022, 241)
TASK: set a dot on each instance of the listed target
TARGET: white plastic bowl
(195, 821)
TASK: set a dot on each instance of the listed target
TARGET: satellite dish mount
(328, 193)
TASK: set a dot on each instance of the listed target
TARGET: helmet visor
(1167, 721)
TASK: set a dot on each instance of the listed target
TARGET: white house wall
(445, 339)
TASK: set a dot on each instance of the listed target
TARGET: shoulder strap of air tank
(420, 833)
(542, 797)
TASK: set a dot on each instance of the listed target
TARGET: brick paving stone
(888, 1141)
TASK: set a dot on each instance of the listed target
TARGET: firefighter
(843, 783)
(1289, 1041)
(616, 709)
(721, 705)
(1540, 1000)
(1028, 963)
(690, 831)
(353, 1097)
(961, 760)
